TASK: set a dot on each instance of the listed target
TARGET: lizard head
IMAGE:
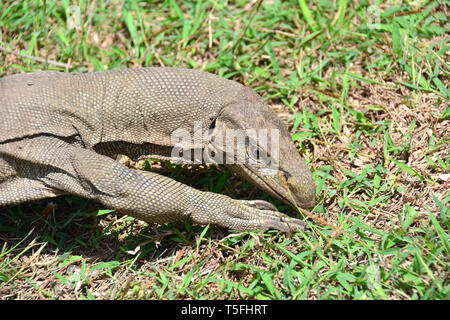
(258, 147)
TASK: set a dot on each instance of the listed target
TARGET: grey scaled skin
(60, 134)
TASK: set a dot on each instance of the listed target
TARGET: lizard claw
(264, 219)
(242, 215)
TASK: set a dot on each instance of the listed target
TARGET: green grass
(364, 89)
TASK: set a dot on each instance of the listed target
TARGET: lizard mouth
(283, 185)
(266, 179)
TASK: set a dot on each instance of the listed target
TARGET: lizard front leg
(155, 198)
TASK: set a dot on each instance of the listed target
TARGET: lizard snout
(302, 188)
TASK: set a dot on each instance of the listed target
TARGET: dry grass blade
(38, 59)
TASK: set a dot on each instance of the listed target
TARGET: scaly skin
(59, 132)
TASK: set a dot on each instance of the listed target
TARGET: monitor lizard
(60, 132)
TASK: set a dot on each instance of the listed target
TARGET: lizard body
(59, 132)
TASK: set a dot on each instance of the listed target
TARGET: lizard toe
(260, 204)
(251, 218)
(241, 215)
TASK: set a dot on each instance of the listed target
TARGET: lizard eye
(257, 154)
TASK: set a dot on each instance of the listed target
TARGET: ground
(364, 89)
